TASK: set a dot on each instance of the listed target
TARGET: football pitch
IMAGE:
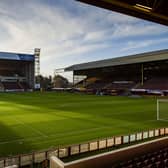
(37, 121)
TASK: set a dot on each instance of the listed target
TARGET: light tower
(37, 67)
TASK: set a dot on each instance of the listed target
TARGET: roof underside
(132, 59)
(152, 10)
(16, 56)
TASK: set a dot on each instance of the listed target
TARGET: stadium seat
(158, 159)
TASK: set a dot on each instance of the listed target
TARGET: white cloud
(142, 44)
(130, 30)
(61, 33)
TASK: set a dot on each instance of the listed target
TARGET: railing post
(69, 151)
(19, 160)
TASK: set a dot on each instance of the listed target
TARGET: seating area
(11, 86)
(9, 73)
(108, 87)
(12, 80)
(6, 73)
(158, 159)
(97, 85)
(24, 85)
(19, 86)
(154, 86)
(120, 85)
(159, 83)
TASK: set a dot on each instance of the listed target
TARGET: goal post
(162, 109)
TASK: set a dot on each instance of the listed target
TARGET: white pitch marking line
(19, 140)
(35, 130)
(163, 120)
(53, 136)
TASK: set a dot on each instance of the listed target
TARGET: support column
(142, 74)
(73, 79)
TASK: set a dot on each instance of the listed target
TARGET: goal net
(162, 109)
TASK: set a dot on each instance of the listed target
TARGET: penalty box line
(32, 128)
(52, 136)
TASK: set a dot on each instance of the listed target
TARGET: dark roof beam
(156, 4)
(148, 2)
(153, 10)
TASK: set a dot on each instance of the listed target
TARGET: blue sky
(69, 32)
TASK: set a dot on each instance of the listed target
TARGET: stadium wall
(110, 158)
(42, 157)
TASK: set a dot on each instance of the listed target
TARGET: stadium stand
(137, 74)
(17, 71)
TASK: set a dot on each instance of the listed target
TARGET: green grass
(37, 121)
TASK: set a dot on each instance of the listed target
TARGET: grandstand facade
(17, 71)
(144, 73)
